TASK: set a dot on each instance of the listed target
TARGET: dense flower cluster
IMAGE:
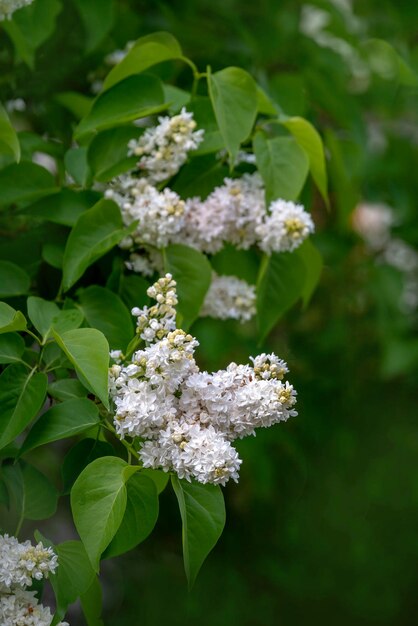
(235, 212)
(160, 214)
(228, 297)
(20, 564)
(285, 227)
(230, 214)
(163, 149)
(187, 418)
(7, 7)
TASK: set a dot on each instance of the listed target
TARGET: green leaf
(134, 97)
(46, 316)
(77, 103)
(98, 503)
(23, 394)
(97, 17)
(13, 280)
(42, 313)
(108, 152)
(283, 165)
(105, 311)
(176, 98)
(309, 139)
(53, 357)
(233, 93)
(53, 254)
(204, 117)
(10, 319)
(79, 456)
(69, 319)
(388, 64)
(67, 389)
(77, 166)
(146, 52)
(193, 273)
(266, 105)
(12, 347)
(159, 477)
(63, 420)
(95, 233)
(133, 291)
(25, 181)
(64, 207)
(312, 259)
(280, 284)
(41, 497)
(346, 191)
(73, 576)
(140, 516)
(83, 247)
(91, 603)
(9, 143)
(200, 176)
(202, 510)
(88, 351)
(31, 26)
(31, 494)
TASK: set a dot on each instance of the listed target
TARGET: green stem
(58, 297)
(190, 63)
(24, 363)
(19, 524)
(34, 336)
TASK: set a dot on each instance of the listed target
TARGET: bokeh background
(323, 526)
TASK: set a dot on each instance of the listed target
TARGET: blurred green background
(323, 525)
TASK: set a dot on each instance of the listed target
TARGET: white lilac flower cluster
(20, 564)
(163, 149)
(159, 214)
(236, 213)
(230, 214)
(229, 297)
(233, 213)
(7, 7)
(187, 418)
(285, 227)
